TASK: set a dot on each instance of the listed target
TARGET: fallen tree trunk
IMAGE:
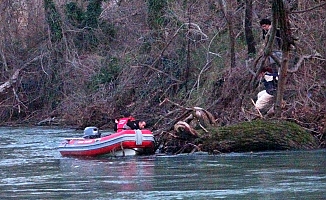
(196, 130)
(259, 135)
(10, 82)
(15, 75)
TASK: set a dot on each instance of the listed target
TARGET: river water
(32, 168)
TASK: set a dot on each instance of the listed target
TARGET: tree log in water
(258, 135)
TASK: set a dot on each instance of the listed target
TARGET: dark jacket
(271, 86)
(133, 124)
(278, 43)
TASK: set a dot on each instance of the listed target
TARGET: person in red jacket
(121, 124)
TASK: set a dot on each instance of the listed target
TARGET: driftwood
(50, 121)
(187, 127)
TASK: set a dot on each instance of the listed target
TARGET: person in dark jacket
(266, 26)
(136, 124)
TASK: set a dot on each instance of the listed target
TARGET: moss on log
(258, 135)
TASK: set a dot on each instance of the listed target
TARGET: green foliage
(106, 74)
(146, 47)
(93, 13)
(54, 20)
(88, 19)
(109, 31)
(94, 32)
(90, 40)
(156, 10)
(74, 14)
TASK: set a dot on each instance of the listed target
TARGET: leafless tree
(251, 45)
(281, 19)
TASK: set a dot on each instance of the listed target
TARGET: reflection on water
(115, 174)
(32, 168)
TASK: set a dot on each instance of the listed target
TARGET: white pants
(263, 99)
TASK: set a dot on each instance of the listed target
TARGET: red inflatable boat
(126, 142)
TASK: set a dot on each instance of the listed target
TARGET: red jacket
(123, 122)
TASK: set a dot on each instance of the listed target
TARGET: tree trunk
(258, 135)
(232, 38)
(229, 19)
(248, 30)
(280, 14)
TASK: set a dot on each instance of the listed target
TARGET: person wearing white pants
(263, 100)
(265, 97)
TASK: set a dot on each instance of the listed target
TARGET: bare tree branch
(310, 9)
(15, 75)
(301, 59)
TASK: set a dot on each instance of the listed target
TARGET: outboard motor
(91, 133)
